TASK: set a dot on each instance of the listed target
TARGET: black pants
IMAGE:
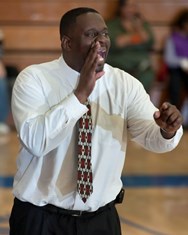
(27, 219)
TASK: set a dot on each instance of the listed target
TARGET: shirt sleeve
(142, 126)
(40, 126)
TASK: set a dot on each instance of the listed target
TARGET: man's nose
(101, 37)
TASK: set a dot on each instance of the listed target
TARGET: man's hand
(169, 119)
(88, 74)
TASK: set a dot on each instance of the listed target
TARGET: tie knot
(87, 103)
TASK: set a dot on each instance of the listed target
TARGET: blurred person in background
(131, 42)
(176, 58)
(4, 97)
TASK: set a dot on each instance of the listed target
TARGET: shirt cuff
(75, 109)
(174, 140)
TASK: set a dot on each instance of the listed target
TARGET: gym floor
(156, 189)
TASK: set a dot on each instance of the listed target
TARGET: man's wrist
(82, 98)
(166, 134)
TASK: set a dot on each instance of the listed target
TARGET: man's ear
(66, 43)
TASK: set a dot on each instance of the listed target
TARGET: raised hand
(169, 119)
(88, 74)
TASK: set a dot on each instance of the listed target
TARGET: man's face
(89, 29)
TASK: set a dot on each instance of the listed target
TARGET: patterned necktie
(84, 180)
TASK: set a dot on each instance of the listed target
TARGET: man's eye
(105, 34)
(91, 34)
(94, 34)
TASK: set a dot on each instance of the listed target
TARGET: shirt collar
(69, 73)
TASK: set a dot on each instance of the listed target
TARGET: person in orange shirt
(131, 42)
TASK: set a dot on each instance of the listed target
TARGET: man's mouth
(102, 54)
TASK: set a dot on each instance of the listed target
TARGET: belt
(54, 209)
(76, 213)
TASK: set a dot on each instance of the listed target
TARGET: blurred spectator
(4, 97)
(176, 58)
(131, 42)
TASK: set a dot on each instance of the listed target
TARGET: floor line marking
(131, 181)
(140, 227)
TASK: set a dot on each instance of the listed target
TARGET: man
(48, 101)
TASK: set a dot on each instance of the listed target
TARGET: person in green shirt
(131, 42)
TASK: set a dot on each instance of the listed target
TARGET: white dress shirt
(45, 111)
